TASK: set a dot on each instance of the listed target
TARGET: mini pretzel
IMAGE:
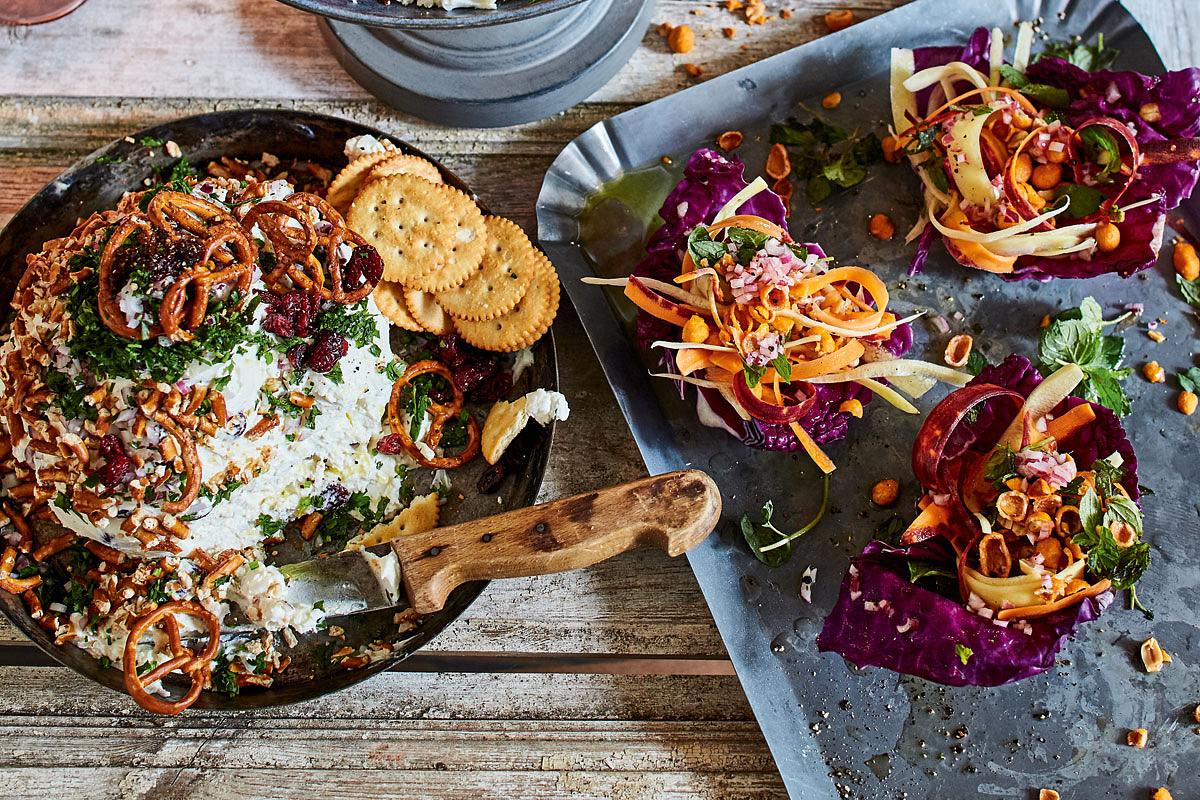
(192, 214)
(194, 665)
(441, 413)
(106, 295)
(175, 308)
(296, 246)
(191, 464)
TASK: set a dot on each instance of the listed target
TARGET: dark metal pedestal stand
(493, 75)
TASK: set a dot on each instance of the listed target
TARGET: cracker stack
(447, 267)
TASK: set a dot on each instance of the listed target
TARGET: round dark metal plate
(395, 14)
(524, 70)
(97, 182)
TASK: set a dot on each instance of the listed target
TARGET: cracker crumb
(173, 150)
(1137, 738)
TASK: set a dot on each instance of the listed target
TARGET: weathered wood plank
(400, 745)
(47, 693)
(188, 783)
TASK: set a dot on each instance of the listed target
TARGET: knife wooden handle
(673, 512)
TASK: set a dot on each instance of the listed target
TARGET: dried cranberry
(291, 314)
(390, 445)
(334, 497)
(327, 349)
(118, 467)
(364, 266)
(489, 482)
(297, 354)
(495, 388)
(471, 375)
(451, 351)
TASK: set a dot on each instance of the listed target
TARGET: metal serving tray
(835, 730)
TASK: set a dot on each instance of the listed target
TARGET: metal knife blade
(349, 582)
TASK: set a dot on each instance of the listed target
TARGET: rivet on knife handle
(673, 512)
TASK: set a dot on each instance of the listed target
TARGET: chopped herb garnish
(1090, 57)
(964, 653)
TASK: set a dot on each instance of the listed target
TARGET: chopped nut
(1137, 738)
(734, 5)
(730, 140)
(1012, 506)
(958, 350)
(1150, 112)
(693, 70)
(885, 492)
(881, 227)
(681, 39)
(1155, 336)
(779, 165)
(1187, 263)
(729, 33)
(831, 100)
(1048, 794)
(1153, 656)
(852, 407)
(891, 152)
(756, 12)
(1153, 372)
(173, 150)
(839, 19)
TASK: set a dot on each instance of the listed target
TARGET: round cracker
(510, 263)
(389, 297)
(346, 184)
(404, 164)
(524, 325)
(425, 310)
(430, 236)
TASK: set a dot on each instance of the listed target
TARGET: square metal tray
(835, 730)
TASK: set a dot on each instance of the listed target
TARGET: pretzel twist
(196, 666)
(222, 241)
(296, 246)
(191, 463)
(441, 414)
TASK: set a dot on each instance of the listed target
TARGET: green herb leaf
(918, 570)
(1047, 95)
(1102, 149)
(1189, 289)
(150, 141)
(964, 653)
(825, 156)
(976, 362)
(703, 250)
(752, 374)
(1090, 57)
(772, 546)
(1077, 337)
(783, 367)
(1084, 200)
(1189, 379)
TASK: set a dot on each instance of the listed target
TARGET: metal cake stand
(524, 61)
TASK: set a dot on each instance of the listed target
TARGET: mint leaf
(1084, 200)
(1102, 148)
(918, 570)
(783, 367)
(1047, 95)
(1189, 380)
(752, 374)
(1189, 289)
(1090, 57)
(764, 533)
(1013, 77)
(703, 250)
(1077, 336)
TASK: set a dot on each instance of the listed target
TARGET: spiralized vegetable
(974, 143)
(761, 320)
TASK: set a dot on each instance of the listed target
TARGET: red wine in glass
(31, 12)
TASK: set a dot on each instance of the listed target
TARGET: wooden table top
(610, 682)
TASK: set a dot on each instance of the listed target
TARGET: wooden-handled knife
(673, 512)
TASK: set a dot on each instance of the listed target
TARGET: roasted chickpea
(1046, 176)
(885, 492)
(1108, 237)
(1023, 168)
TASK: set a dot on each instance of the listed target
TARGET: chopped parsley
(224, 680)
(151, 142)
(354, 322)
(352, 518)
(112, 356)
(270, 526)
(223, 492)
(71, 396)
